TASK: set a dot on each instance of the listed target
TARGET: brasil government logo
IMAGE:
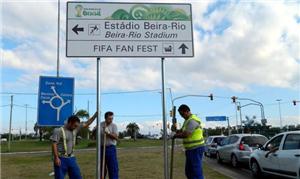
(81, 11)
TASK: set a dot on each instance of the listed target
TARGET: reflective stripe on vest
(196, 138)
(65, 140)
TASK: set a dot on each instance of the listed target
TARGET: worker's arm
(112, 134)
(90, 121)
(182, 134)
(55, 154)
(191, 126)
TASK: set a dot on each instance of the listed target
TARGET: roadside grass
(134, 163)
(35, 145)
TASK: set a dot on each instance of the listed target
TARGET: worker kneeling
(193, 142)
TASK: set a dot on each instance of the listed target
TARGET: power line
(87, 94)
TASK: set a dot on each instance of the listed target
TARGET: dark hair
(183, 108)
(108, 113)
(73, 119)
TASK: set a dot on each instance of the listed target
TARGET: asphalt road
(226, 169)
(242, 172)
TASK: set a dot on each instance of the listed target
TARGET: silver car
(211, 145)
(237, 148)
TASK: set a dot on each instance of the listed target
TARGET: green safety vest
(65, 142)
(196, 138)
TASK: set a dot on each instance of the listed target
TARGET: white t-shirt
(113, 129)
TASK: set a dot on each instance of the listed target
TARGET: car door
(289, 156)
(221, 149)
(270, 163)
(230, 147)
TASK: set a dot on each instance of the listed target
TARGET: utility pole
(26, 106)
(241, 118)
(58, 30)
(20, 131)
(236, 116)
(88, 107)
(10, 121)
(279, 108)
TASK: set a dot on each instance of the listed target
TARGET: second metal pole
(98, 166)
(165, 135)
(10, 121)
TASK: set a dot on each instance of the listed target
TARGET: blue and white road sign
(55, 100)
(216, 118)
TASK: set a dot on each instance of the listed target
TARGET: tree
(83, 114)
(132, 130)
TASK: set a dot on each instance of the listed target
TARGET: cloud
(239, 44)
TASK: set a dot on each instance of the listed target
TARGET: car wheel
(234, 161)
(255, 169)
(219, 158)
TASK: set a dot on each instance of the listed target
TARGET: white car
(279, 156)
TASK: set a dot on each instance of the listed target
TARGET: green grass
(133, 163)
(35, 145)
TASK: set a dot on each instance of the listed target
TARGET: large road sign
(101, 29)
(216, 118)
(55, 100)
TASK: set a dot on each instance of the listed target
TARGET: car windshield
(218, 140)
(254, 141)
(208, 140)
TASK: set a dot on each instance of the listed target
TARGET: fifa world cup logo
(78, 9)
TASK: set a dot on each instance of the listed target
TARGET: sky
(243, 48)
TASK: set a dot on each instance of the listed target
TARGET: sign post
(55, 100)
(98, 171)
(153, 30)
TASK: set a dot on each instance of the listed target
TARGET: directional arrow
(183, 47)
(76, 29)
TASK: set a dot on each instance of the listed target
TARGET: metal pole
(88, 107)
(58, 29)
(20, 137)
(166, 168)
(88, 110)
(241, 118)
(236, 116)
(229, 131)
(279, 108)
(10, 121)
(26, 105)
(98, 166)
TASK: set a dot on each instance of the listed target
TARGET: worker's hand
(106, 130)
(172, 135)
(173, 128)
(57, 162)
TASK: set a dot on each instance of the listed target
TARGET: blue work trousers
(111, 162)
(68, 164)
(193, 165)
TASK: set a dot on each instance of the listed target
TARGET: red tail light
(241, 147)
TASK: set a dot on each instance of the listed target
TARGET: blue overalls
(111, 162)
(68, 162)
(193, 164)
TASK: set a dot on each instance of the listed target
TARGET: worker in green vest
(193, 142)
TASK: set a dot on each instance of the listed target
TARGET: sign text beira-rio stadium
(99, 29)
